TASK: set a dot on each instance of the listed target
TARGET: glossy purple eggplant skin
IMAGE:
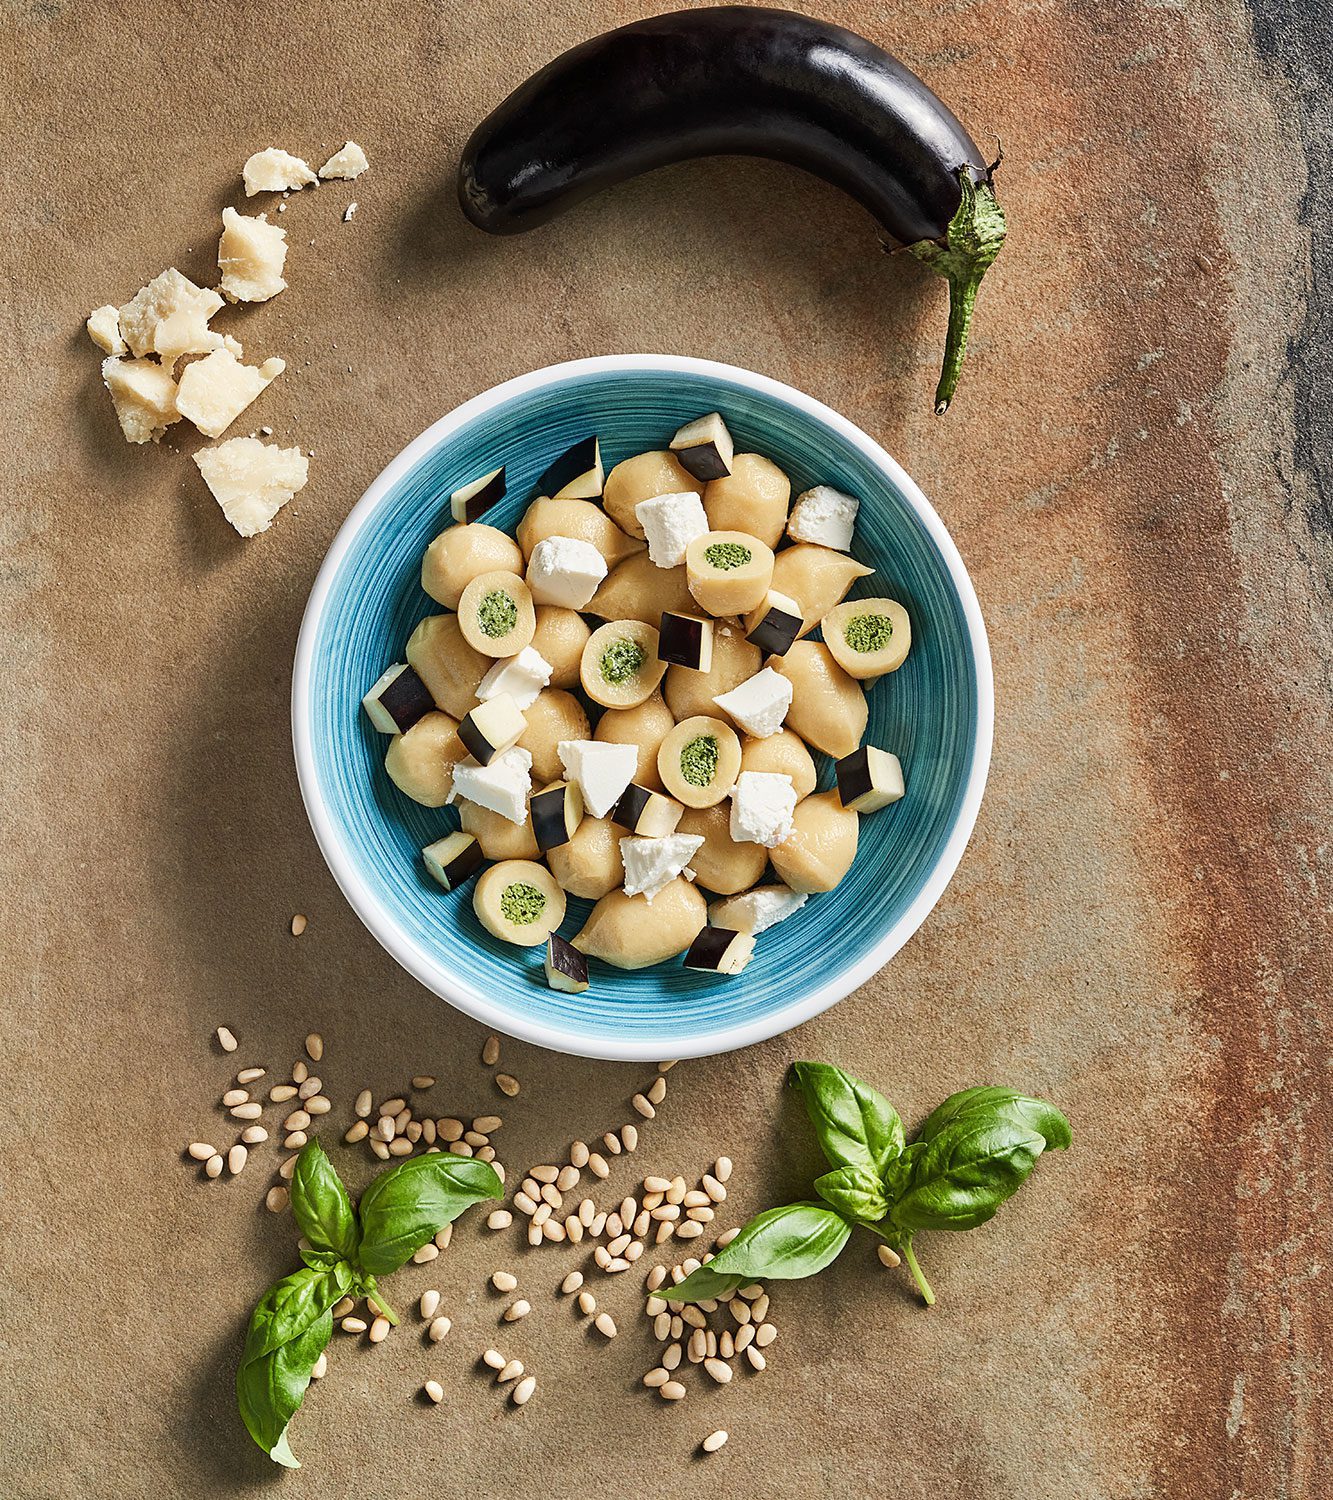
(727, 81)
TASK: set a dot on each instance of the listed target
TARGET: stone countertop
(1137, 471)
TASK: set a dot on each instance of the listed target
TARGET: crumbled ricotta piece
(600, 771)
(522, 677)
(565, 571)
(759, 704)
(756, 910)
(762, 804)
(165, 294)
(104, 330)
(825, 516)
(251, 480)
(652, 864)
(671, 523)
(144, 395)
(251, 255)
(502, 786)
(348, 163)
(215, 390)
(275, 171)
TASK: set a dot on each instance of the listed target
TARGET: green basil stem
(927, 1296)
(372, 1290)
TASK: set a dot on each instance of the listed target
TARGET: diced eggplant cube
(492, 728)
(557, 811)
(720, 951)
(477, 496)
(704, 447)
(453, 859)
(397, 700)
(869, 779)
(686, 640)
(566, 967)
(647, 813)
(576, 475)
(778, 623)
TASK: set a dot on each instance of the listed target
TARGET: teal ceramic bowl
(935, 713)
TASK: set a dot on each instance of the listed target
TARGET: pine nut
(400, 1120)
(281, 1092)
(605, 1324)
(213, 1166)
(353, 1325)
(614, 1225)
(449, 1129)
(523, 1390)
(727, 1236)
(490, 1051)
(438, 1328)
(693, 1316)
(572, 1282)
(726, 1345)
(494, 1359)
(379, 1330)
(524, 1203)
(499, 1218)
(235, 1096)
(672, 1356)
(460, 1148)
(400, 1146)
(507, 1084)
(676, 1192)
(276, 1199)
(597, 1165)
(757, 1360)
(428, 1131)
(888, 1256)
(656, 1277)
(314, 1044)
(629, 1137)
(201, 1150)
(425, 1255)
(587, 1212)
(714, 1441)
(714, 1189)
(434, 1391)
(618, 1245)
(251, 1110)
(719, 1369)
(552, 1195)
(656, 1184)
(568, 1179)
(696, 1351)
(299, 924)
(236, 1158)
(658, 1091)
(380, 1149)
(504, 1281)
(677, 1326)
(578, 1154)
(700, 1215)
(642, 1224)
(602, 1256)
(517, 1310)
(665, 1211)
(423, 1081)
(295, 1140)
(226, 1039)
(320, 1368)
(656, 1377)
(612, 1143)
(616, 1265)
(299, 1071)
(412, 1132)
(744, 1337)
(662, 1325)
(365, 1102)
(587, 1304)
(475, 1139)
(443, 1237)
(357, 1132)
(543, 1173)
(722, 1169)
(641, 1104)
(573, 1230)
(765, 1334)
(392, 1106)
(666, 1067)
(673, 1390)
(598, 1225)
(254, 1135)
(691, 1229)
(297, 1120)
(759, 1308)
(543, 1213)
(288, 1169)
(384, 1128)
(310, 1088)
(665, 1231)
(429, 1304)
(510, 1372)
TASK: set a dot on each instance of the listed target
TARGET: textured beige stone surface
(1140, 930)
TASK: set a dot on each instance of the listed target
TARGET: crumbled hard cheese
(348, 163)
(652, 864)
(165, 294)
(671, 523)
(251, 480)
(104, 330)
(251, 255)
(184, 332)
(144, 395)
(275, 171)
(762, 804)
(214, 391)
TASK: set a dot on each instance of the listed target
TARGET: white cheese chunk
(762, 804)
(600, 771)
(759, 704)
(652, 864)
(184, 332)
(251, 255)
(671, 523)
(165, 294)
(522, 677)
(825, 516)
(565, 571)
(215, 390)
(144, 395)
(251, 480)
(502, 786)
(347, 163)
(104, 329)
(275, 171)
(756, 910)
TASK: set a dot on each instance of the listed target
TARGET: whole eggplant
(745, 81)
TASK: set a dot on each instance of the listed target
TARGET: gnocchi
(644, 477)
(555, 715)
(644, 726)
(463, 553)
(753, 497)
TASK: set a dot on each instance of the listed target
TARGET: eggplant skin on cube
(869, 779)
(492, 728)
(685, 641)
(705, 447)
(576, 475)
(397, 700)
(453, 859)
(775, 624)
(556, 811)
(719, 951)
(566, 967)
(646, 813)
(477, 496)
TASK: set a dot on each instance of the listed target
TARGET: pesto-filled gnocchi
(751, 810)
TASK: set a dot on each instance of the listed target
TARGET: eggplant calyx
(967, 251)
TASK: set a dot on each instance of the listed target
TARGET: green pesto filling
(868, 632)
(497, 614)
(621, 660)
(521, 903)
(698, 760)
(727, 555)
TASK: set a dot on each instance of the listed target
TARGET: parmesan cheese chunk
(104, 330)
(346, 164)
(275, 171)
(164, 295)
(214, 391)
(184, 332)
(251, 256)
(251, 480)
(144, 395)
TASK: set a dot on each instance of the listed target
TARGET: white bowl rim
(426, 969)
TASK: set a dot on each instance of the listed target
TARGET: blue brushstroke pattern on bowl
(934, 713)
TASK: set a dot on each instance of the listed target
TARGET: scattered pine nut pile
(717, 1337)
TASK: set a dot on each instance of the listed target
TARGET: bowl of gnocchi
(642, 707)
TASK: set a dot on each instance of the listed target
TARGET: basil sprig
(971, 1154)
(344, 1250)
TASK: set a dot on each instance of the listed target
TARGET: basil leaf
(405, 1206)
(319, 1260)
(960, 1177)
(854, 1193)
(856, 1126)
(1036, 1114)
(783, 1244)
(320, 1204)
(288, 1331)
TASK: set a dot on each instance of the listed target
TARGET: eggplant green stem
(917, 1275)
(976, 233)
